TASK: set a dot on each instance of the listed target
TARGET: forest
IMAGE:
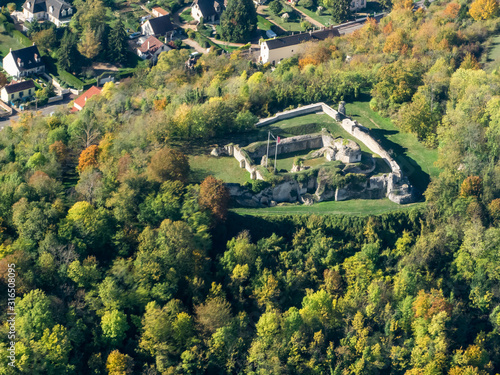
(127, 263)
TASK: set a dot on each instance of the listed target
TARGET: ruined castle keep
(392, 185)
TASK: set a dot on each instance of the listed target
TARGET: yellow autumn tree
(483, 9)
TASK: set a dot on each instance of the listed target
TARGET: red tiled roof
(150, 45)
(162, 11)
(82, 99)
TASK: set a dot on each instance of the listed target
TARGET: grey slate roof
(36, 6)
(20, 86)
(161, 25)
(207, 7)
(302, 38)
(28, 57)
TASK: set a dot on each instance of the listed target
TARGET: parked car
(135, 35)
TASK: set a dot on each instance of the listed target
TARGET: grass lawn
(361, 207)
(6, 43)
(224, 167)
(263, 24)
(186, 15)
(493, 56)
(292, 24)
(325, 19)
(311, 123)
(414, 158)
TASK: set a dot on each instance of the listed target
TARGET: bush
(191, 34)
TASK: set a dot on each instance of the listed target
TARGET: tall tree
(118, 42)
(89, 46)
(67, 54)
(238, 21)
(340, 10)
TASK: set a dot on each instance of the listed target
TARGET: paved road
(45, 111)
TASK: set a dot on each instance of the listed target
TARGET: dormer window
(19, 62)
(63, 13)
(37, 58)
(51, 9)
(70, 11)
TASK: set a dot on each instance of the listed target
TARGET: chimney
(310, 32)
(10, 50)
(33, 43)
(85, 99)
(148, 45)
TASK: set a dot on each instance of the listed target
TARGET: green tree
(117, 42)
(275, 6)
(114, 326)
(238, 21)
(67, 53)
(340, 10)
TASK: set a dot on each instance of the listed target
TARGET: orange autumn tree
(483, 9)
(88, 158)
(214, 196)
(471, 186)
(452, 10)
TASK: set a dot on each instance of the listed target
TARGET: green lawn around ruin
(416, 160)
(225, 168)
(360, 207)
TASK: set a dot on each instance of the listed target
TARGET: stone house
(151, 49)
(274, 50)
(209, 10)
(80, 102)
(56, 11)
(18, 91)
(159, 12)
(159, 26)
(23, 62)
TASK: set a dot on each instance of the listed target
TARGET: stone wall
(393, 185)
(291, 144)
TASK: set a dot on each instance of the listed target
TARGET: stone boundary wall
(350, 126)
(290, 144)
(6, 108)
(244, 160)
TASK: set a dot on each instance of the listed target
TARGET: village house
(275, 50)
(151, 49)
(209, 10)
(23, 62)
(80, 102)
(56, 11)
(160, 26)
(18, 91)
(159, 12)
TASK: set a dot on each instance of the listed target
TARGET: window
(29, 92)
(70, 11)
(63, 13)
(12, 96)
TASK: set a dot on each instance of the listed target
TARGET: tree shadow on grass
(418, 177)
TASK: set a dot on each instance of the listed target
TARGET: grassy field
(6, 43)
(263, 24)
(359, 207)
(312, 123)
(325, 19)
(415, 159)
(224, 167)
(292, 24)
(493, 57)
